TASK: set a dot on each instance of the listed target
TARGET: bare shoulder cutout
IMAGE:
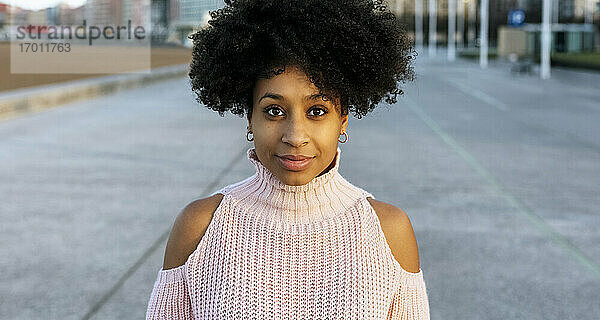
(188, 229)
(399, 234)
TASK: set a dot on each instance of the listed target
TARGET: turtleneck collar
(325, 196)
(267, 176)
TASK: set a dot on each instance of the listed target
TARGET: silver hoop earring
(247, 138)
(346, 135)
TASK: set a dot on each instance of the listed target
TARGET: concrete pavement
(498, 174)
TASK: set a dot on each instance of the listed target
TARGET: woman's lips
(295, 165)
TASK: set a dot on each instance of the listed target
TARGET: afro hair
(353, 50)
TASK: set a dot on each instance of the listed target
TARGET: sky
(41, 4)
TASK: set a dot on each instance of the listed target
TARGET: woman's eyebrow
(272, 96)
(313, 96)
(280, 97)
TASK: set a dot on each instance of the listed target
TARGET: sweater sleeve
(170, 298)
(410, 300)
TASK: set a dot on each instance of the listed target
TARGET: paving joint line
(115, 288)
(478, 94)
(522, 209)
(484, 97)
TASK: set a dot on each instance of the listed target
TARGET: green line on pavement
(526, 212)
(159, 241)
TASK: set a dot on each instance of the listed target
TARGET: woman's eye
(272, 111)
(321, 112)
(276, 112)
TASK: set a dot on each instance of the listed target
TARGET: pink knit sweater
(276, 251)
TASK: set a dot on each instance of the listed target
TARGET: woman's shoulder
(398, 231)
(189, 228)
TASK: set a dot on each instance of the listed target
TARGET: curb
(29, 100)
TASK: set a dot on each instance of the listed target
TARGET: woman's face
(289, 118)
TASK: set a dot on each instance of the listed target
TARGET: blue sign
(516, 18)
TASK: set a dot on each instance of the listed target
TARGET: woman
(295, 240)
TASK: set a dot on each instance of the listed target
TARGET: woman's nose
(295, 134)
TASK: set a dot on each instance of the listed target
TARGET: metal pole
(419, 25)
(588, 11)
(472, 20)
(460, 21)
(555, 11)
(451, 30)
(400, 8)
(432, 26)
(483, 34)
(546, 13)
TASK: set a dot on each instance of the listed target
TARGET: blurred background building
(189, 15)
(173, 21)
(564, 12)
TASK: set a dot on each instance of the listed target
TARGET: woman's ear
(345, 123)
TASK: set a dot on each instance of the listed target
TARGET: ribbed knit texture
(277, 251)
